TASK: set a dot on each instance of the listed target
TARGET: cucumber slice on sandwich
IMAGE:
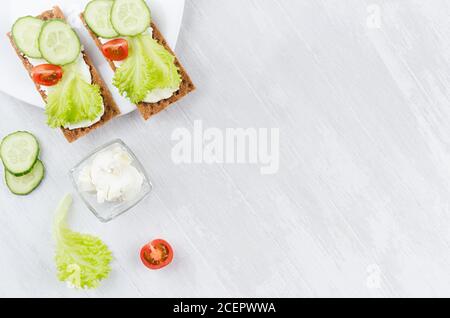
(19, 152)
(130, 17)
(58, 43)
(98, 17)
(25, 33)
(28, 183)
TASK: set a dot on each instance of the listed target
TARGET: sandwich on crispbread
(155, 78)
(65, 78)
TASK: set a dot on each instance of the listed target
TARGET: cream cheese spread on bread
(155, 95)
(85, 72)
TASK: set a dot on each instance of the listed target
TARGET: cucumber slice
(58, 43)
(25, 33)
(19, 152)
(98, 17)
(130, 17)
(28, 183)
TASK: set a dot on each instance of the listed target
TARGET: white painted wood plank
(364, 178)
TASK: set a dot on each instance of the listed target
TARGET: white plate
(14, 79)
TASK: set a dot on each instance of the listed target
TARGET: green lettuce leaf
(81, 260)
(73, 100)
(149, 66)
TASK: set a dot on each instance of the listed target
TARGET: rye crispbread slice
(147, 110)
(111, 109)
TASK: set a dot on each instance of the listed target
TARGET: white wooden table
(360, 205)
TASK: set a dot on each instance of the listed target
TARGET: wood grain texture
(365, 161)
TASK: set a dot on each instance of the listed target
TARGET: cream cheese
(112, 176)
(160, 94)
(85, 123)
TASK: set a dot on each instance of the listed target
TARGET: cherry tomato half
(47, 74)
(157, 254)
(116, 50)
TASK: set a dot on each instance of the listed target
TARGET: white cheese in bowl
(112, 176)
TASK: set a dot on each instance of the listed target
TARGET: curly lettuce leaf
(73, 100)
(149, 66)
(82, 261)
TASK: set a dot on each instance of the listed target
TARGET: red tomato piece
(116, 50)
(47, 74)
(157, 254)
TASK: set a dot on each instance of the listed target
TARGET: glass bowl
(108, 211)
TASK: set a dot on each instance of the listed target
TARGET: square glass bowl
(108, 211)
